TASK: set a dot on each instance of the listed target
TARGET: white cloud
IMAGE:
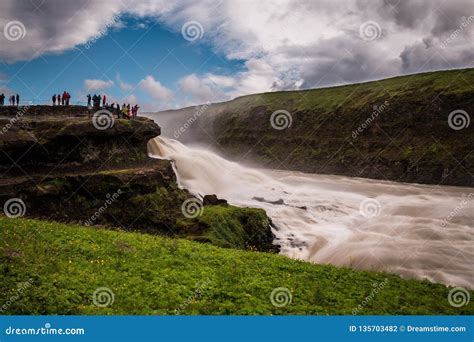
(55, 26)
(155, 89)
(302, 44)
(258, 76)
(284, 44)
(93, 85)
(123, 85)
(200, 90)
(132, 99)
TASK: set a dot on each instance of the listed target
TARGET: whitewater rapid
(416, 231)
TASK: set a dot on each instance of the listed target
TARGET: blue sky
(123, 56)
(166, 54)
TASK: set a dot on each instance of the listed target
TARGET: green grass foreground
(53, 268)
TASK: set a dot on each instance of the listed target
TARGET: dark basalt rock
(63, 168)
(40, 144)
(359, 130)
(213, 200)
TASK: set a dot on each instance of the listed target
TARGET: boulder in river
(213, 200)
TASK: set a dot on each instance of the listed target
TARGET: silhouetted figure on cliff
(117, 110)
(124, 111)
(59, 99)
(17, 99)
(2, 99)
(54, 99)
(65, 99)
(135, 111)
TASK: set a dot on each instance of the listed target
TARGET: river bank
(398, 129)
(416, 231)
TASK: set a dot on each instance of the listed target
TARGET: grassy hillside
(394, 129)
(58, 267)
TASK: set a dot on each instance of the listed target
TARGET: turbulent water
(417, 231)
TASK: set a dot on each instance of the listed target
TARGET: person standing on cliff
(118, 111)
(54, 100)
(135, 110)
(17, 99)
(124, 111)
(104, 100)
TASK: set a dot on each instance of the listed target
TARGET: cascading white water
(417, 231)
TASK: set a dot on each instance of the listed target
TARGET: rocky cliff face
(397, 129)
(62, 167)
(58, 142)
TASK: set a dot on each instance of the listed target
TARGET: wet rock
(213, 200)
(277, 202)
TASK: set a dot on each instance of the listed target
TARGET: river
(416, 231)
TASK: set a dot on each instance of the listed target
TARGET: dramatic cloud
(129, 99)
(155, 89)
(51, 26)
(209, 88)
(285, 44)
(200, 90)
(304, 44)
(93, 85)
(123, 85)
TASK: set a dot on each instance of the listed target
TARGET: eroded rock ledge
(65, 169)
(42, 144)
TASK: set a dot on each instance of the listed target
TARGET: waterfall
(417, 231)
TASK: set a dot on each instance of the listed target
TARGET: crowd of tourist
(13, 100)
(61, 100)
(126, 111)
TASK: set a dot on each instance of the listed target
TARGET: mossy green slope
(358, 96)
(156, 275)
(394, 129)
